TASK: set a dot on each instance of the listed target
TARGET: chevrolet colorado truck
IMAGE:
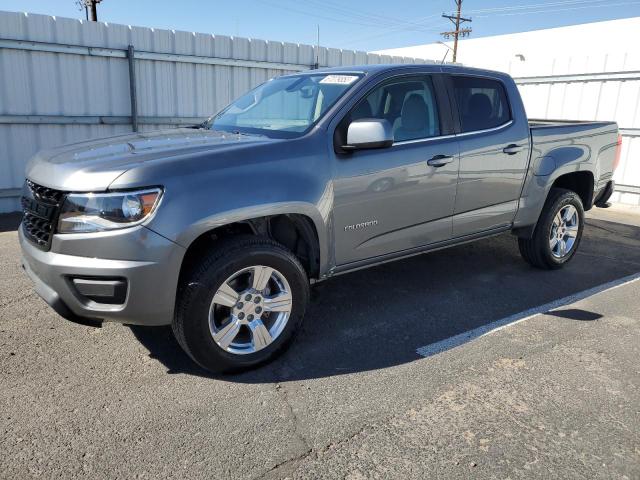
(220, 230)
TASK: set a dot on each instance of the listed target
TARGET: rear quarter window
(482, 103)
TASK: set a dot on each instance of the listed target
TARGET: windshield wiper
(198, 126)
(238, 132)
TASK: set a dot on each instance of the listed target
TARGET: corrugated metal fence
(64, 80)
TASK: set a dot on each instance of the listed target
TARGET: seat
(414, 119)
(478, 113)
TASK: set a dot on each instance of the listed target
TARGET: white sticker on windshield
(339, 79)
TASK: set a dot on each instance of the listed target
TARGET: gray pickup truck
(219, 230)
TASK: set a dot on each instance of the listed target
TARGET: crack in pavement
(282, 392)
(289, 466)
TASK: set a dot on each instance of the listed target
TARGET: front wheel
(558, 233)
(242, 305)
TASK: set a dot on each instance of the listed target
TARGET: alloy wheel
(250, 310)
(564, 231)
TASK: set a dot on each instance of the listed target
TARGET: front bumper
(151, 278)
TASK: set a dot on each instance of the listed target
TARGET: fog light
(109, 291)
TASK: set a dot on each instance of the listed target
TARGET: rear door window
(482, 103)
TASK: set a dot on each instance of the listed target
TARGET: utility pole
(317, 64)
(93, 6)
(457, 20)
(90, 8)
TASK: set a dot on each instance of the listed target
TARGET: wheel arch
(296, 231)
(579, 181)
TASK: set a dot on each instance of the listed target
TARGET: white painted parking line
(464, 337)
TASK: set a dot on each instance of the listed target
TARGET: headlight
(97, 212)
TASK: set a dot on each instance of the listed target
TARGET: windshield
(284, 107)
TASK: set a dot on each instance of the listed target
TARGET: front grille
(41, 206)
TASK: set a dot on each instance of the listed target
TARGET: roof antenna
(446, 53)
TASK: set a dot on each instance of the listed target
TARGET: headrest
(415, 113)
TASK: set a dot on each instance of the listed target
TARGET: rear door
(494, 152)
(391, 199)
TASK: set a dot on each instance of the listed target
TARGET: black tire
(536, 250)
(198, 286)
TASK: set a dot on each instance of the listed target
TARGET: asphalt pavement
(554, 394)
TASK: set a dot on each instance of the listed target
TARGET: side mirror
(369, 133)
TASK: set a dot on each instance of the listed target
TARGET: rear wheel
(558, 233)
(242, 305)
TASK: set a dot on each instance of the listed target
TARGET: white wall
(617, 38)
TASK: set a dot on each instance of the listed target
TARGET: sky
(356, 24)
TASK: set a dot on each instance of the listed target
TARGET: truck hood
(93, 165)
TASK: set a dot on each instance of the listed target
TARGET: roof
(380, 68)
(376, 68)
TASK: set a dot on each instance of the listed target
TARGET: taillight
(616, 161)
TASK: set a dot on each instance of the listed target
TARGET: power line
(349, 17)
(390, 31)
(349, 13)
(558, 9)
(383, 20)
(316, 15)
(413, 25)
(338, 13)
(457, 20)
(532, 5)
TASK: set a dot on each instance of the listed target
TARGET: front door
(391, 199)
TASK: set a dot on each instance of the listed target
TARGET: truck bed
(570, 145)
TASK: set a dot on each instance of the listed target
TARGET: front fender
(187, 212)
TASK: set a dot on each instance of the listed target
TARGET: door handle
(439, 160)
(512, 149)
